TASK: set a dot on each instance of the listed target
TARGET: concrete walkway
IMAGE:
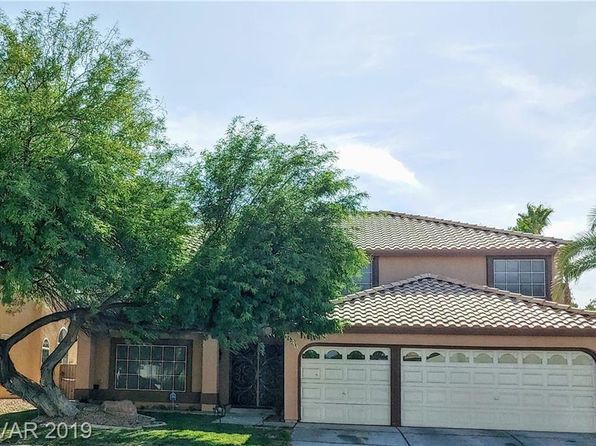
(306, 434)
(245, 417)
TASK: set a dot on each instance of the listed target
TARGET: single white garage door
(499, 389)
(346, 385)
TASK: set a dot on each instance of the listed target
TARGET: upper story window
(525, 276)
(365, 280)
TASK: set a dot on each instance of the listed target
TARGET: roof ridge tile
(468, 225)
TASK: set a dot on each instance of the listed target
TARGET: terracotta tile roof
(394, 231)
(431, 301)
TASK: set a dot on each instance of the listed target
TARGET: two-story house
(454, 327)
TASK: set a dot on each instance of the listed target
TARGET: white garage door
(346, 385)
(526, 390)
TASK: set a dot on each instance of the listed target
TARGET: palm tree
(534, 220)
(575, 258)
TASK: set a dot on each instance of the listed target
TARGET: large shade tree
(91, 223)
(273, 245)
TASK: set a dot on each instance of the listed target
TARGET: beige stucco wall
(294, 347)
(27, 354)
(468, 268)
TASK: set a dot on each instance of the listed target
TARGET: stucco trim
(209, 398)
(141, 396)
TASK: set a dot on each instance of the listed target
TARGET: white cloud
(376, 161)
(566, 229)
(202, 130)
(584, 290)
(532, 91)
(553, 113)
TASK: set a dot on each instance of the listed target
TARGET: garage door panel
(458, 377)
(311, 392)
(436, 376)
(354, 374)
(461, 397)
(311, 373)
(532, 379)
(333, 374)
(334, 393)
(557, 380)
(508, 379)
(415, 396)
(509, 399)
(334, 413)
(380, 374)
(437, 397)
(379, 395)
(311, 411)
(583, 402)
(484, 378)
(582, 379)
(525, 390)
(484, 398)
(562, 401)
(412, 376)
(533, 400)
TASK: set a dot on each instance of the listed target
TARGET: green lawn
(181, 429)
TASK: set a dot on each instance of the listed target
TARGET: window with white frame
(525, 276)
(151, 367)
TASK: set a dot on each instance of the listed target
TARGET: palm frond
(592, 219)
(577, 257)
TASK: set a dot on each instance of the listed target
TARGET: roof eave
(462, 252)
(484, 331)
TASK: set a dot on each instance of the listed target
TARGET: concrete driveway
(306, 434)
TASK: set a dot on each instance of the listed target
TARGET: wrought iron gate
(256, 376)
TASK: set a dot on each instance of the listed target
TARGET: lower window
(151, 367)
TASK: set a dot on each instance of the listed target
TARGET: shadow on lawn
(181, 429)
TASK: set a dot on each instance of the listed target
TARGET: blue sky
(460, 111)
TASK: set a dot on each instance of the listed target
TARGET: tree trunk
(45, 396)
(50, 400)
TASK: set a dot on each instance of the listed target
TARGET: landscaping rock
(123, 408)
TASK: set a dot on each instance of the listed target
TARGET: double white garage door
(487, 389)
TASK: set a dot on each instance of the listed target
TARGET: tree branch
(45, 320)
(77, 320)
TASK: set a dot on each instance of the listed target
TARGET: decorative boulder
(123, 408)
